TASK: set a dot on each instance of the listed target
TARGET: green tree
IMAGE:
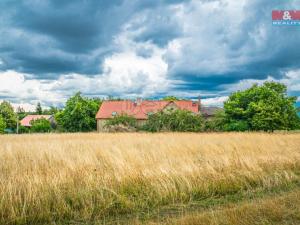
(176, 120)
(51, 111)
(40, 126)
(2, 125)
(39, 110)
(8, 114)
(21, 113)
(23, 130)
(170, 98)
(266, 107)
(216, 123)
(79, 114)
(122, 119)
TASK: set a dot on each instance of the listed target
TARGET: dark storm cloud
(54, 37)
(265, 50)
(43, 37)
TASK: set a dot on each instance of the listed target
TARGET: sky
(50, 49)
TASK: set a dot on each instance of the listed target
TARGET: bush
(216, 123)
(177, 120)
(40, 126)
(2, 125)
(23, 130)
(122, 120)
(236, 126)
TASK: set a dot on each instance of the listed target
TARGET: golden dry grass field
(134, 178)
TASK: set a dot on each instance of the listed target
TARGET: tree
(8, 114)
(79, 114)
(2, 125)
(216, 123)
(177, 120)
(52, 111)
(265, 107)
(170, 98)
(39, 110)
(40, 126)
(123, 119)
(23, 130)
(21, 113)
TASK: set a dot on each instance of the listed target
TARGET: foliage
(177, 120)
(23, 130)
(21, 113)
(52, 111)
(216, 123)
(170, 98)
(8, 114)
(236, 125)
(39, 110)
(122, 119)
(265, 107)
(40, 126)
(79, 114)
(2, 125)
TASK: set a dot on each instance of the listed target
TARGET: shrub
(40, 126)
(122, 119)
(238, 125)
(216, 123)
(2, 125)
(177, 120)
(23, 130)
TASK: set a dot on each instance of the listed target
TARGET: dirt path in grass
(277, 206)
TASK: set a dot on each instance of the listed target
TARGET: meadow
(144, 178)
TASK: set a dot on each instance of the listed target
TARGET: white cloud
(217, 101)
(26, 106)
(125, 73)
(210, 28)
(211, 41)
(20, 87)
(291, 79)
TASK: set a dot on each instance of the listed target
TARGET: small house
(140, 109)
(27, 120)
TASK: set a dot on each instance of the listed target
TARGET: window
(114, 113)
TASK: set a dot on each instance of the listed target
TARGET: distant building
(140, 109)
(27, 120)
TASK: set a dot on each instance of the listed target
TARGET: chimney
(199, 104)
(138, 101)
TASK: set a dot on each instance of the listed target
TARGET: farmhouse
(141, 109)
(26, 121)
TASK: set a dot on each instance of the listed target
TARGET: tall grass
(276, 210)
(89, 177)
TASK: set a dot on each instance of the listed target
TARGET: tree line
(259, 108)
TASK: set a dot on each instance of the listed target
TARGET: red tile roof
(27, 119)
(141, 110)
